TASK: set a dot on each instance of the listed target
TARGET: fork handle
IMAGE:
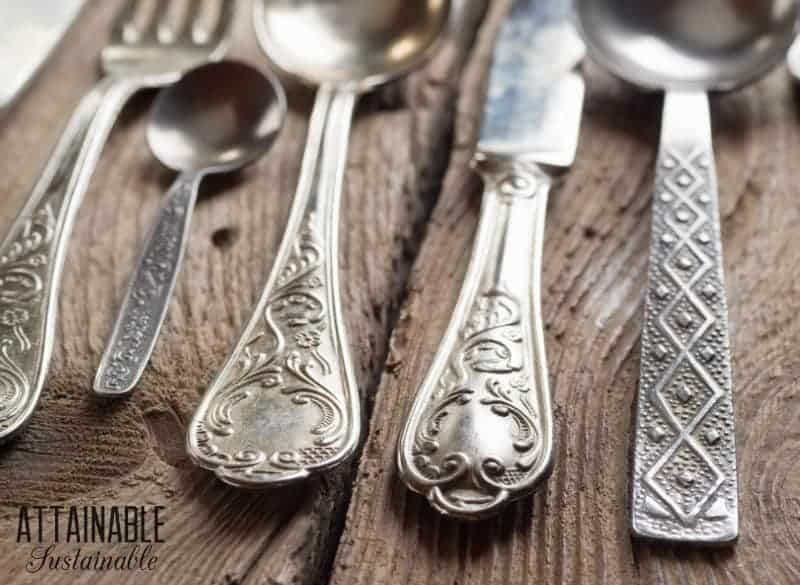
(286, 405)
(480, 431)
(150, 289)
(684, 485)
(32, 255)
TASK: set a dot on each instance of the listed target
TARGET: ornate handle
(286, 405)
(32, 255)
(684, 467)
(480, 432)
(149, 292)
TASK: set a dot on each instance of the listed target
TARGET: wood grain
(575, 530)
(408, 138)
(78, 450)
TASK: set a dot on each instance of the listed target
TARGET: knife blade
(480, 431)
(535, 101)
(30, 30)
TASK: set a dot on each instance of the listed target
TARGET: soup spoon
(684, 485)
(218, 118)
(286, 405)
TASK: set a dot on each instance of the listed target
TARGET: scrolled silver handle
(32, 255)
(480, 432)
(286, 405)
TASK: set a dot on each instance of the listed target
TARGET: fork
(150, 55)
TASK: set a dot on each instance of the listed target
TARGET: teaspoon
(218, 118)
(684, 485)
(286, 405)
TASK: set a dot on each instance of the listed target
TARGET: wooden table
(410, 211)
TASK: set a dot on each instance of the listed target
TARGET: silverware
(286, 405)
(684, 468)
(30, 31)
(480, 432)
(32, 255)
(793, 59)
(216, 119)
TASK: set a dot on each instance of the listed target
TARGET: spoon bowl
(670, 44)
(218, 118)
(356, 43)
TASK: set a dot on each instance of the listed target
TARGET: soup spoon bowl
(670, 46)
(358, 44)
(286, 404)
(684, 484)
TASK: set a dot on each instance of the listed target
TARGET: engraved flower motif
(519, 383)
(314, 282)
(37, 260)
(308, 339)
(14, 317)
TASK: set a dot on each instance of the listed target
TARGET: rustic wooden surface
(410, 209)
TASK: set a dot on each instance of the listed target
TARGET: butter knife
(29, 32)
(480, 431)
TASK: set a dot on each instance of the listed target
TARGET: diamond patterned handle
(684, 476)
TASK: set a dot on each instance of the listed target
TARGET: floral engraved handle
(684, 485)
(285, 405)
(149, 292)
(31, 257)
(480, 432)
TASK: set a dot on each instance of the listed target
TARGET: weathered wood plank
(81, 451)
(575, 530)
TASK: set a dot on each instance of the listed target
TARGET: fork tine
(158, 25)
(192, 10)
(124, 27)
(220, 31)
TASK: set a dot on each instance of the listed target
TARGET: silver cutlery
(32, 256)
(793, 59)
(480, 432)
(29, 33)
(286, 405)
(684, 485)
(218, 118)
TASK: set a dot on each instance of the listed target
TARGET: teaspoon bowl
(218, 118)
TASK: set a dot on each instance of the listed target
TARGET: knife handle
(684, 485)
(32, 255)
(480, 432)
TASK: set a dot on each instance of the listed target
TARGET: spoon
(286, 405)
(684, 485)
(218, 118)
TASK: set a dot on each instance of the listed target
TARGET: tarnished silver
(32, 255)
(480, 432)
(684, 484)
(286, 404)
(30, 31)
(196, 132)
